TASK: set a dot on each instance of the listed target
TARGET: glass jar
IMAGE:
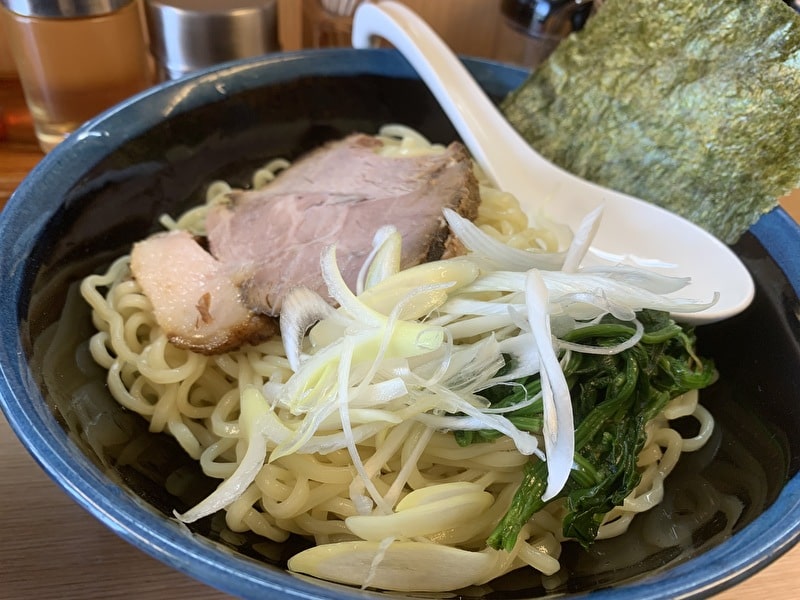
(75, 58)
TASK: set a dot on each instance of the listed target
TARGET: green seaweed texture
(690, 105)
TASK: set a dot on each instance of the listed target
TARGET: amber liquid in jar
(72, 69)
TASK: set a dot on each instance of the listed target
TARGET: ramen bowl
(106, 186)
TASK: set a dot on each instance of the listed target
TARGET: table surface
(52, 548)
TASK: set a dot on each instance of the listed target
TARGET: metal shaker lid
(63, 9)
(189, 34)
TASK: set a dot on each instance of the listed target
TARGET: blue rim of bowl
(36, 201)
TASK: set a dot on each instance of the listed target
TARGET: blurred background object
(7, 71)
(470, 27)
(516, 31)
(74, 59)
(7, 67)
(535, 28)
(331, 21)
(186, 35)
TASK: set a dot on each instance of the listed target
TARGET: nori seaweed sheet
(688, 104)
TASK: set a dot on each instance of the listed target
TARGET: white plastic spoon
(632, 230)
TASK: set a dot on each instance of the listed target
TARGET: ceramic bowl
(104, 188)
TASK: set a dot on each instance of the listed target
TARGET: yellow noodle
(196, 399)
(212, 467)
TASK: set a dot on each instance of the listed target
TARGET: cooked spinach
(613, 398)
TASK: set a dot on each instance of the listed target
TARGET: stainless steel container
(186, 35)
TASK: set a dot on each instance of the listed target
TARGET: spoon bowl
(632, 231)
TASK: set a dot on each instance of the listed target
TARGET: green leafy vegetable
(689, 105)
(613, 398)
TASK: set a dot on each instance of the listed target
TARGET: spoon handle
(496, 146)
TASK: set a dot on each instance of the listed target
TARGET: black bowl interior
(165, 170)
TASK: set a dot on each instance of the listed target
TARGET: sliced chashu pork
(340, 194)
(265, 242)
(194, 299)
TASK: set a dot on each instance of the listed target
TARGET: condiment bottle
(186, 35)
(535, 27)
(75, 58)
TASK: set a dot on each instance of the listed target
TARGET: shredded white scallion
(559, 432)
(415, 348)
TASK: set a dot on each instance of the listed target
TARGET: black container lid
(547, 18)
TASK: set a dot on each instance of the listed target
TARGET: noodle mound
(378, 491)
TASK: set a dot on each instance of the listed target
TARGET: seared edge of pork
(265, 242)
(194, 300)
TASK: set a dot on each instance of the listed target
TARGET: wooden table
(51, 548)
